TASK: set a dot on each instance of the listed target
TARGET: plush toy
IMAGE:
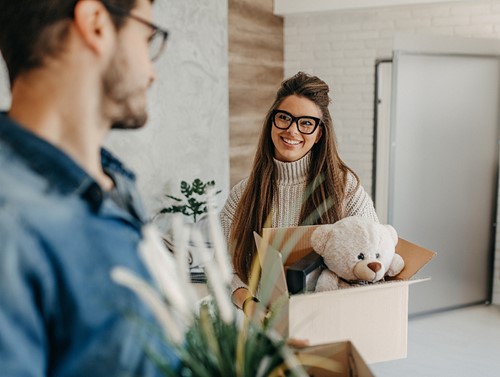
(356, 250)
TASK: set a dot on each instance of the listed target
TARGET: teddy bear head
(358, 249)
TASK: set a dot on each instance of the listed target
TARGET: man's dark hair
(31, 30)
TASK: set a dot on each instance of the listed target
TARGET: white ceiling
(284, 7)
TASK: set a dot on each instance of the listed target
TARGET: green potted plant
(194, 203)
(193, 206)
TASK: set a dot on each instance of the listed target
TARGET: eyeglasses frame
(295, 119)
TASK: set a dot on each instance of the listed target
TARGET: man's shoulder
(15, 232)
(19, 184)
(25, 196)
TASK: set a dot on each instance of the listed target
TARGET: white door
(443, 170)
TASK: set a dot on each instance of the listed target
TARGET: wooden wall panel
(255, 73)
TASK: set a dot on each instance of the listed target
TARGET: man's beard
(123, 104)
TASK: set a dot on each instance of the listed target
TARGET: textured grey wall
(187, 135)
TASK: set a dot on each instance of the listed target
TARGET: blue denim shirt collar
(61, 172)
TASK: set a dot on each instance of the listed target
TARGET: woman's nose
(294, 129)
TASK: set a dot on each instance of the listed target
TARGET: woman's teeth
(291, 142)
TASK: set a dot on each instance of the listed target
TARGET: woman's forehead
(300, 106)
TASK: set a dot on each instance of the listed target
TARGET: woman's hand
(239, 296)
(298, 343)
(248, 304)
(244, 300)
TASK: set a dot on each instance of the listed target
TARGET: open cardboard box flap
(347, 362)
(295, 243)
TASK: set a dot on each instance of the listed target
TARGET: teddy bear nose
(374, 266)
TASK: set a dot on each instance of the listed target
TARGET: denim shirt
(60, 236)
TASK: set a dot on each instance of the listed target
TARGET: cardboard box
(347, 362)
(374, 317)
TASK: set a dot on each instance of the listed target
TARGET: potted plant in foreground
(208, 338)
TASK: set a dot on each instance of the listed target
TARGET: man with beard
(69, 210)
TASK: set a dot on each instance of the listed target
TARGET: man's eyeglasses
(305, 124)
(158, 38)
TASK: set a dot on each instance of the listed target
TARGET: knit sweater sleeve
(359, 202)
(226, 219)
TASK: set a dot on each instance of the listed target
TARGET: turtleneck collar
(293, 172)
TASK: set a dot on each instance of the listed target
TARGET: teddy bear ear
(319, 237)
(393, 233)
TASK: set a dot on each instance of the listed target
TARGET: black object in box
(303, 274)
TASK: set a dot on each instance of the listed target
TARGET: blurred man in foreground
(69, 210)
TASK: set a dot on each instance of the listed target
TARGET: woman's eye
(307, 123)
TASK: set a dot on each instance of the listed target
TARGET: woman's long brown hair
(323, 202)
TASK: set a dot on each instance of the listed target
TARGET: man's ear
(94, 25)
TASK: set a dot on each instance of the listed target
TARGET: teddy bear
(355, 250)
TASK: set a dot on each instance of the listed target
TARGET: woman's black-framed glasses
(305, 124)
(158, 38)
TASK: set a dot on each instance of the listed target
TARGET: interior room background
(342, 47)
(186, 136)
(225, 60)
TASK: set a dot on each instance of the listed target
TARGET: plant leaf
(174, 198)
(198, 187)
(186, 189)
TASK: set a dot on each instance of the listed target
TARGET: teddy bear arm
(327, 281)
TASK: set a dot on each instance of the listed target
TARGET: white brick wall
(341, 48)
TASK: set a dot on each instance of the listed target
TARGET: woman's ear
(318, 136)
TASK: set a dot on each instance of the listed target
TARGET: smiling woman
(298, 177)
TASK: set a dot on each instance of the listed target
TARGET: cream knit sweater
(291, 183)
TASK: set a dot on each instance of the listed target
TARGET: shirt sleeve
(25, 289)
(359, 202)
(226, 218)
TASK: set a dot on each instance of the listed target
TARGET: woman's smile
(291, 141)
